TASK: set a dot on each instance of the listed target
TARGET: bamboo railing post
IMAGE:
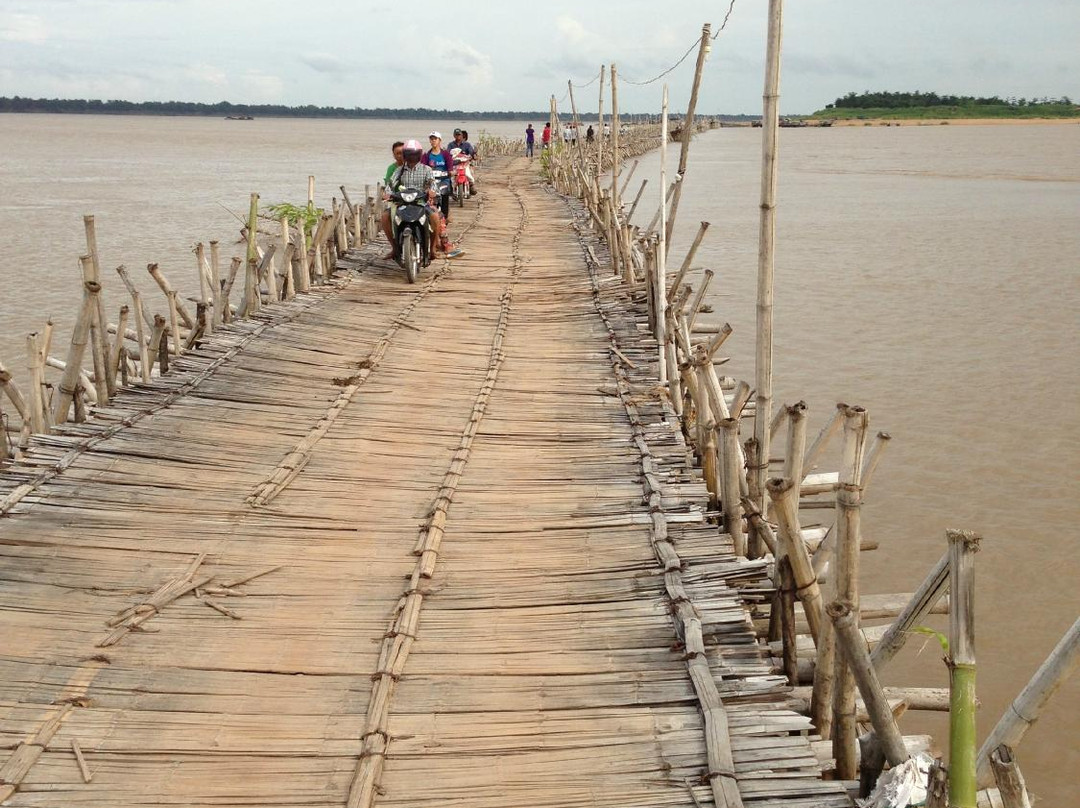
(731, 492)
(97, 342)
(288, 281)
(1026, 708)
(660, 293)
(637, 199)
(703, 228)
(205, 295)
(853, 646)
(615, 162)
(102, 338)
(117, 346)
(70, 379)
(140, 332)
(215, 282)
(174, 322)
(34, 365)
(770, 127)
(1010, 781)
(155, 338)
(8, 386)
(226, 289)
(796, 443)
(5, 445)
(755, 544)
(962, 744)
(688, 126)
(786, 604)
(783, 493)
(846, 587)
(925, 598)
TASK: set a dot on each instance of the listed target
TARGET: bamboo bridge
(395, 545)
(356, 542)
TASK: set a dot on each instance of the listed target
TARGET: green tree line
(224, 108)
(887, 100)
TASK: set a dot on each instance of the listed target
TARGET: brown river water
(929, 274)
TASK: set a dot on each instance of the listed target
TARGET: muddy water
(929, 274)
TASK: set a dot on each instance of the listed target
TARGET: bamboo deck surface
(387, 544)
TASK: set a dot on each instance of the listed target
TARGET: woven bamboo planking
(546, 667)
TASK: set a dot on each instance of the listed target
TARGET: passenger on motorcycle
(415, 174)
(439, 159)
(399, 160)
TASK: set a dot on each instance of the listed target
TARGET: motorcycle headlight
(409, 196)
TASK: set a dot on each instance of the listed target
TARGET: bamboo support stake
(287, 280)
(251, 283)
(796, 443)
(97, 341)
(688, 126)
(140, 331)
(117, 346)
(163, 283)
(783, 493)
(731, 493)
(614, 136)
(13, 393)
(637, 199)
(174, 322)
(1026, 708)
(630, 173)
(785, 604)
(755, 544)
(962, 744)
(770, 127)
(922, 602)
(215, 282)
(699, 298)
(853, 646)
(70, 378)
(37, 379)
(846, 586)
(703, 228)
(140, 309)
(660, 291)
(5, 446)
(160, 328)
(206, 294)
(1010, 781)
(823, 438)
(102, 339)
(226, 290)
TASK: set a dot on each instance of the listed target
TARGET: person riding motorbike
(461, 142)
(440, 159)
(415, 174)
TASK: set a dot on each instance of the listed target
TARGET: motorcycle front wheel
(459, 192)
(410, 253)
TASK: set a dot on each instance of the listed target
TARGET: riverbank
(951, 122)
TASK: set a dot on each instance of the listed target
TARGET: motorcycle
(462, 180)
(411, 231)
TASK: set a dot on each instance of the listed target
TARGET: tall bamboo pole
(962, 745)
(251, 284)
(614, 138)
(688, 125)
(215, 281)
(661, 253)
(770, 127)
(36, 368)
(600, 130)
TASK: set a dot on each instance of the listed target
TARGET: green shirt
(389, 173)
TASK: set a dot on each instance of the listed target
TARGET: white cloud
(463, 61)
(16, 27)
(207, 74)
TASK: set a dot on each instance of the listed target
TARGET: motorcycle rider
(461, 142)
(440, 159)
(415, 174)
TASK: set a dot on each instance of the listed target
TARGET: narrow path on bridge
(394, 552)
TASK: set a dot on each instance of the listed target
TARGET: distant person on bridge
(545, 136)
(530, 140)
(461, 143)
(589, 134)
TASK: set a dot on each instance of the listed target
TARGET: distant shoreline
(954, 121)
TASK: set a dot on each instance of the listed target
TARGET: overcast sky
(514, 55)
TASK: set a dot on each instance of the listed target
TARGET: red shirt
(546, 136)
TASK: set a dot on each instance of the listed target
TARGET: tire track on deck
(398, 641)
(293, 463)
